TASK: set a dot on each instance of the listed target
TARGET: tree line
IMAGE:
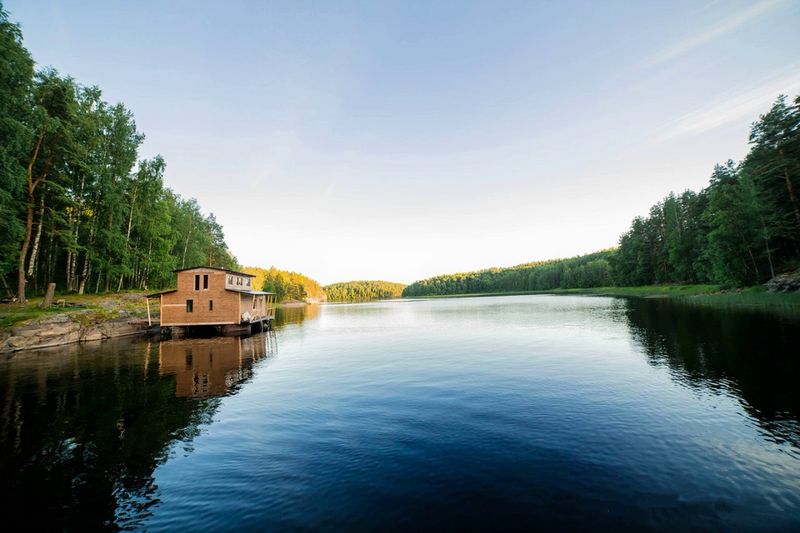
(591, 270)
(287, 285)
(740, 230)
(363, 291)
(77, 206)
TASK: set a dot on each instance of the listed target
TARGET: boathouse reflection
(83, 427)
(211, 367)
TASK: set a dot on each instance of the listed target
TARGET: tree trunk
(37, 239)
(769, 258)
(755, 266)
(85, 275)
(766, 244)
(72, 264)
(130, 224)
(21, 280)
(26, 243)
(790, 188)
(186, 246)
(69, 269)
(147, 266)
(48, 298)
(86, 266)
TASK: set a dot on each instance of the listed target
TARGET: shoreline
(89, 318)
(120, 315)
(63, 329)
(706, 294)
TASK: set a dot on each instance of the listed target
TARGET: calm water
(475, 414)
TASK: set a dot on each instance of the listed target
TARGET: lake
(508, 413)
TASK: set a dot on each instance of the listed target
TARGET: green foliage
(76, 207)
(287, 285)
(738, 231)
(363, 291)
(586, 271)
(16, 81)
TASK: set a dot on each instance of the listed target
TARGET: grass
(14, 314)
(103, 307)
(710, 294)
(701, 294)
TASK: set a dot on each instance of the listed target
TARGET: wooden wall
(226, 303)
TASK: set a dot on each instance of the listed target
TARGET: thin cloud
(733, 106)
(709, 34)
(282, 147)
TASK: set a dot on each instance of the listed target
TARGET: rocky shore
(69, 328)
(785, 282)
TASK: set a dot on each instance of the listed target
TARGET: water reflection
(82, 429)
(749, 354)
(206, 368)
(295, 314)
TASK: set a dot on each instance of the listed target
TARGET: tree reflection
(295, 314)
(83, 429)
(749, 353)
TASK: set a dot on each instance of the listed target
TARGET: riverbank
(77, 318)
(703, 294)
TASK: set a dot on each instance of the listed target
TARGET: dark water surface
(473, 414)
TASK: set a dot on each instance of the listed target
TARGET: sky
(402, 140)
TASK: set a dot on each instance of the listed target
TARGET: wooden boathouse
(208, 296)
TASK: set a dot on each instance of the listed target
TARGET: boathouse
(208, 296)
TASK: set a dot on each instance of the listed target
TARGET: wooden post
(48, 298)
(149, 321)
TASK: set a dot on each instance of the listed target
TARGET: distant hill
(287, 285)
(591, 270)
(363, 291)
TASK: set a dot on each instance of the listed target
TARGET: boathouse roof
(227, 270)
(160, 293)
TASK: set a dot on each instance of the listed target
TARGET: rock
(58, 330)
(62, 318)
(92, 335)
(789, 281)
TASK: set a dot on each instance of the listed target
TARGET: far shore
(706, 294)
(92, 317)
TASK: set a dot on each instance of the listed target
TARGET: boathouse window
(189, 306)
(211, 305)
(248, 282)
(238, 281)
(197, 282)
(205, 281)
(230, 280)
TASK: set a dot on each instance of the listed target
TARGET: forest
(591, 270)
(363, 291)
(77, 205)
(79, 208)
(741, 230)
(287, 285)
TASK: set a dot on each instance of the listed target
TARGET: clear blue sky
(400, 140)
